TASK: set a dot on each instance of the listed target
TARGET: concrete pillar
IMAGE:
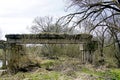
(86, 54)
(14, 58)
(83, 53)
(4, 66)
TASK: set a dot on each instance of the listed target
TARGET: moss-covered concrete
(48, 36)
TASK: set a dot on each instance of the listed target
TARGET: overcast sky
(17, 15)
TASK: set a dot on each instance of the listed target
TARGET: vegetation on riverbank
(64, 68)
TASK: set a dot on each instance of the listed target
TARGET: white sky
(17, 15)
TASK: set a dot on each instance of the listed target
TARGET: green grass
(112, 74)
(115, 73)
(44, 76)
(48, 63)
(67, 74)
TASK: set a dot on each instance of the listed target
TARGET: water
(0, 63)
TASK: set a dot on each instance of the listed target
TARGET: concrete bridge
(14, 42)
(48, 38)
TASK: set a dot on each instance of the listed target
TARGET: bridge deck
(48, 38)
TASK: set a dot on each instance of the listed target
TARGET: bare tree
(96, 11)
(104, 15)
(49, 25)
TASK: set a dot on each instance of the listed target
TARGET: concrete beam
(48, 38)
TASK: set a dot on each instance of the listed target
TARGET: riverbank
(85, 74)
(64, 69)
